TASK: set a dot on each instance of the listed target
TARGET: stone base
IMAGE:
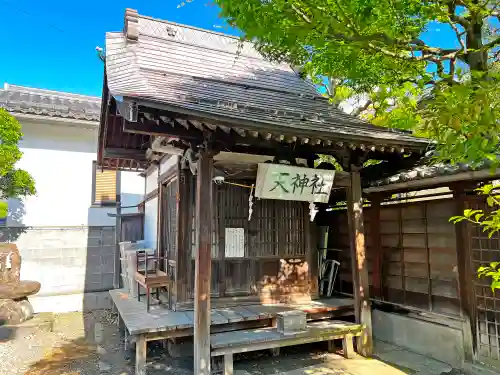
(15, 312)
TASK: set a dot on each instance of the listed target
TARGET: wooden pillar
(359, 263)
(311, 236)
(184, 232)
(118, 238)
(203, 264)
(141, 349)
(466, 275)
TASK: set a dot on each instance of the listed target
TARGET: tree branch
(458, 34)
(362, 108)
(492, 44)
(452, 7)
(301, 14)
(452, 68)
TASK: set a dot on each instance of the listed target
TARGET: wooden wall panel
(419, 254)
(274, 236)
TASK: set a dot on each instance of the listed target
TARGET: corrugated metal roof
(216, 74)
(28, 100)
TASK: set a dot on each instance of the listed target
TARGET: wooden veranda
(195, 95)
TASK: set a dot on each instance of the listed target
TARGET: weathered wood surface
(138, 320)
(359, 261)
(313, 329)
(251, 340)
(203, 263)
(159, 319)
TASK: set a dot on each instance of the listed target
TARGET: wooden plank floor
(245, 337)
(159, 319)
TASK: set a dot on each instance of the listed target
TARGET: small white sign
(235, 243)
(285, 182)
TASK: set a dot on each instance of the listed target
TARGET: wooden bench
(229, 343)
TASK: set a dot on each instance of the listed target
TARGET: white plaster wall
(132, 190)
(151, 222)
(168, 162)
(59, 157)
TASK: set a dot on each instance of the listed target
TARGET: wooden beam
(184, 224)
(161, 128)
(234, 141)
(203, 264)
(466, 276)
(125, 153)
(359, 263)
(252, 125)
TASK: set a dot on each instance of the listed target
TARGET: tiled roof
(217, 75)
(434, 174)
(28, 100)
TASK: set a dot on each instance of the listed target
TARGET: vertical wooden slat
(184, 233)
(118, 238)
(311, 249)
(359, 263)
(465, 279)
(160, 212)
(402, 252)
(428, 257)
(378, 254)
(203, 264)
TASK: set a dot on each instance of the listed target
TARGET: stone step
(481, 370)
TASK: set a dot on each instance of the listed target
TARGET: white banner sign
(278, 181)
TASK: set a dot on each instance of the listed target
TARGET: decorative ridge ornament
(131, 27)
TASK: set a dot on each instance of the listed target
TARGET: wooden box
(290, 322)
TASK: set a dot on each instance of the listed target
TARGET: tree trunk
(477, 58)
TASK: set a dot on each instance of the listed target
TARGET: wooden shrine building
(201, 113)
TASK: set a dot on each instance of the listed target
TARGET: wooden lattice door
(484, 251)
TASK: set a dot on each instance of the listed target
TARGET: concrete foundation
(438, 341)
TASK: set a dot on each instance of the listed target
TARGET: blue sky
(51, 44)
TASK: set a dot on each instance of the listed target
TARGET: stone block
(289, 322)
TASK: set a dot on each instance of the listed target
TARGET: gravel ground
(90, 344)
(77, 344)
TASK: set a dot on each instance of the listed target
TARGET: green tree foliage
(373, 49)
(489, 221)
(372, 52)
(14, 182)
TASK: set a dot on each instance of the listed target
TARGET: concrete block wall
(73, 264)
(438, 341)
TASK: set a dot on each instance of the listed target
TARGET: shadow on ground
(90, 344)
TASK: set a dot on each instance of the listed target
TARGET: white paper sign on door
(235, 243)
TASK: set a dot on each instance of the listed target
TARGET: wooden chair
(151, 277)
